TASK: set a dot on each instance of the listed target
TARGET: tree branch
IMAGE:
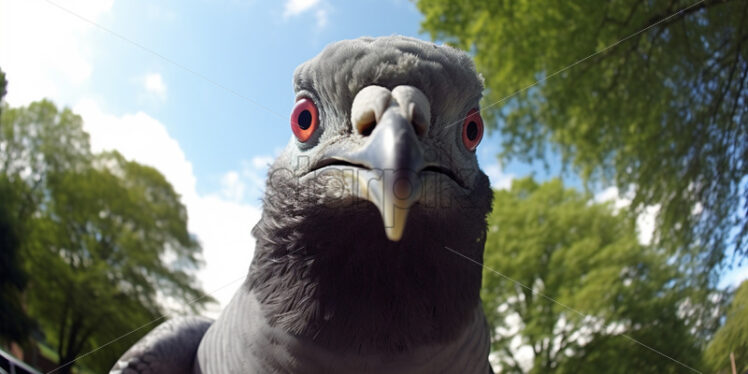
(681, 14)
(63, 328)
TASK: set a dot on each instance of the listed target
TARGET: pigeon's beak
(394, 153)
(390, 162)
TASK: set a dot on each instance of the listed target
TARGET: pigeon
(372, 232)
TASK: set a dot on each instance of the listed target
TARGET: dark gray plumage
(168, 349)
(329, 290)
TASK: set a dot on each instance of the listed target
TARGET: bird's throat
(345, 286)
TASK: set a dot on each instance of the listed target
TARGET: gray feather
(170, 348)
(242, 341)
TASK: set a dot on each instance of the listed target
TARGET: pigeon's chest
(240, 341)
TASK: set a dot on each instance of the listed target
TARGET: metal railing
(9, 364)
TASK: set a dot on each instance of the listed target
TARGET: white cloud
(645, 222)
(296, 7)
(142, 138)
(611, 194)
(43, 48)
(261, 162)
(154, 85)
(321, 10)
(222, 223)
(321, 15)
(499, 180)
(734, 277)
(254, 173)
(224, 229)
(232, 188)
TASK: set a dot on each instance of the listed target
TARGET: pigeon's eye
(472, 129)
(304, 119)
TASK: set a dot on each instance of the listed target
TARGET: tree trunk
(67, 369)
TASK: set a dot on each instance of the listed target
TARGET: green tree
(662, 114)
(14, 324)
(106, 238)
(3, 85)
(607, 287)
(732, 337)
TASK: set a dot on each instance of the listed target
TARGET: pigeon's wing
(168, 349)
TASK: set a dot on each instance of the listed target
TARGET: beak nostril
(365, 128)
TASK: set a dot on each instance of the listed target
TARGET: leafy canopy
(106, 239)
(662, 115)
(585, 286)
(732, 337)
(14, 324)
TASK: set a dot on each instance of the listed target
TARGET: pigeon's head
(390, 124)
(379, 182)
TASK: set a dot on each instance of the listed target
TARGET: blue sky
(199, 89)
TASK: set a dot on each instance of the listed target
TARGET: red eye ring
(472, 129)
(304, 119)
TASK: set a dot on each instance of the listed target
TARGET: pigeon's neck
(337, 280)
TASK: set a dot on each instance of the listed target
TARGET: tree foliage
(663, 114)
(3, 85)
(105, 241)
(588, 287)
(14, 324)
(732, 337)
